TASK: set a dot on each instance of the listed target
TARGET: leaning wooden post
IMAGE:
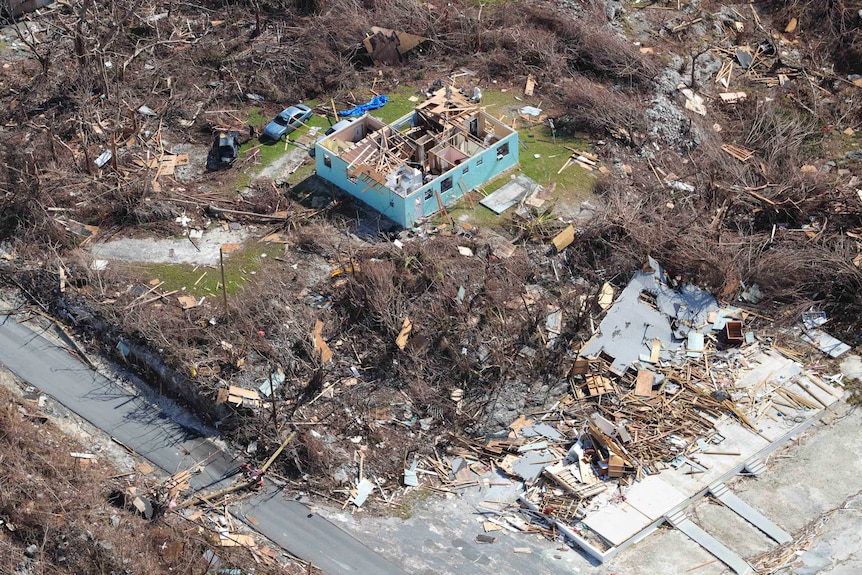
(223, 285)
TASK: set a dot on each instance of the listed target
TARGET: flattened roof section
(648, 310)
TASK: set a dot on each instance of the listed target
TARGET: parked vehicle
(331, 130)
(287, 121)
(224, 151)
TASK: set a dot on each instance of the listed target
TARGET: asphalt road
(151, 432)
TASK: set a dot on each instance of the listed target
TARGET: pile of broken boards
(219, 527)
(222, 530)
(648, 392)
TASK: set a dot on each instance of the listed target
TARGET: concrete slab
(851, 367)
(617, 522)
(813, 478)
(737, 439)
(710, 543)
(749, 514)
(204, 251)
(837, 550)
(732, 530)
(669, 551)
(830, 457)
(654, 497)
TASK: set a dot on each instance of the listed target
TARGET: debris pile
(635, 415)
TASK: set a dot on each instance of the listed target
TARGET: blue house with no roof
(410, 169)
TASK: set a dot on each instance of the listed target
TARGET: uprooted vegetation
(58, 516)
(479, 351)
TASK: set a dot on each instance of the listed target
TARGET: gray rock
(31, 551)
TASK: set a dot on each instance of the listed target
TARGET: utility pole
(223, 286)
(245, 484)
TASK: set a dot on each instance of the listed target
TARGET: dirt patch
(284, 166)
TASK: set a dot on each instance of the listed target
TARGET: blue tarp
(373, 104)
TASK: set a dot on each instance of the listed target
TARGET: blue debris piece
(373, 104)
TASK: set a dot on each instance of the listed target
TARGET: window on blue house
(479, 161)
(429, 193)
(503, 151)
(465, 170)
(327, 161)
(446, 184)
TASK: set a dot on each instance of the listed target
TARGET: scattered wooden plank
(655, 351)
(564, 239)
(732, 97)
(738, 152)
(406, 328)
(644, 382)
(530, 86)
(187, 301)
(685, 25)
(320, 346)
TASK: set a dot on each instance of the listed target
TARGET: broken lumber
(738, 152)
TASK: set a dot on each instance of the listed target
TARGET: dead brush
(834, 23)
(592, 107)
(53, 501)
(554, 44)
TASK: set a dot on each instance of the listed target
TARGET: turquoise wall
(479, 169)
(423, 202)
(381, 199)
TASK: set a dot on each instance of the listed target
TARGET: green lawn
(268, 153)
(238, 268)
(541, 153)
(399, 104)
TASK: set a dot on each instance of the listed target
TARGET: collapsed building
(673, 396)
(428, 159)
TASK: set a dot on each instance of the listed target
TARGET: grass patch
(239, 267)
(304, 172)
(270, 152)
(256, 117)
(473, 212)
(537, 139)
(410, 501)
(573, 185)
(399, 104)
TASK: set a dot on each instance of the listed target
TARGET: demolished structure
(670, 399)
(422, 162)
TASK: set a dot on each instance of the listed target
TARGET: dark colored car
(224, 151)
(287, 121)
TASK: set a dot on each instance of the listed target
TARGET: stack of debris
(652, 391)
